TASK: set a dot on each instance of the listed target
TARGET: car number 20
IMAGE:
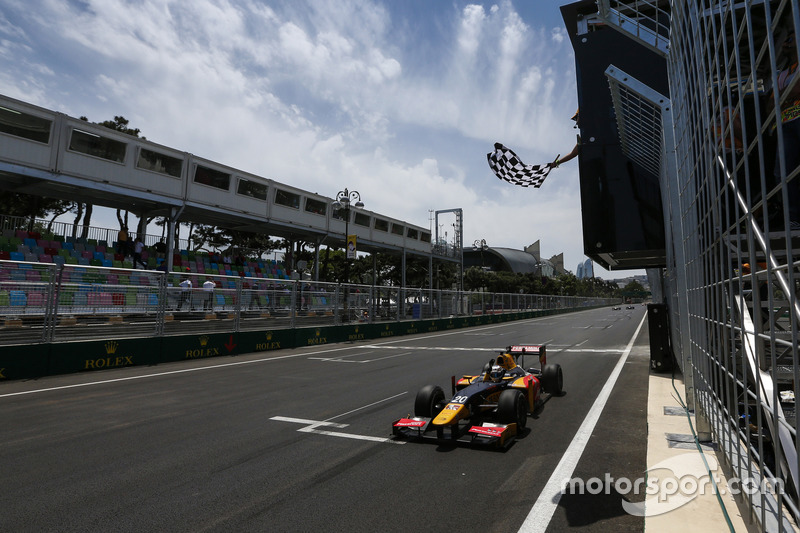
(459, 399)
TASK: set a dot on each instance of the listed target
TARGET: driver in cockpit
(507, 362)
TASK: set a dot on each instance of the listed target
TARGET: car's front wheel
(552, 379)
(512, 408)
(429, 401)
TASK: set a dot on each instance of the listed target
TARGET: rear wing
(518, 350)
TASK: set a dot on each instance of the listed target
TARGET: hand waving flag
(507, 166)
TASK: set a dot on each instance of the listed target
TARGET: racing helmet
(497, 373)
(506, 361)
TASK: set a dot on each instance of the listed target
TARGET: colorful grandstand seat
(5, 256)
(35, 299)
(80, 299)
(17, 298)
(65, 297)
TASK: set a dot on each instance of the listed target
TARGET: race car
(490, 408)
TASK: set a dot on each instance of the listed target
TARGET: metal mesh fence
(728, 166)
(48, 302)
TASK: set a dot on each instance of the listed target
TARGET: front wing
(485, 434)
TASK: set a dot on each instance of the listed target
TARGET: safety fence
(48, 302)
(730, 183)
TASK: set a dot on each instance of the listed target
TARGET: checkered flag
(507, 166)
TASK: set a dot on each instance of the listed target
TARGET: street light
(480, 245)
(344, 199)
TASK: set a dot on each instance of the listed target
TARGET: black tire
(429, 401)
(552, 379)
(512, 407)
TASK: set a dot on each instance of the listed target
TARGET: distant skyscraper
(579, 271)
(588, 269)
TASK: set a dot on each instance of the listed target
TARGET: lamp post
(344, 199)
(480, 245)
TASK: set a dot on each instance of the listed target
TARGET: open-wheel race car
(490, 408)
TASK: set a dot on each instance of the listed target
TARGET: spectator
(138, 246)
(161, 249)
(186, 293)
(208, 288)
(122, 242)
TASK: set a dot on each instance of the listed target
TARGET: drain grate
(672, 410)
(686, 442)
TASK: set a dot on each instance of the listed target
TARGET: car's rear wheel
(552, 379)
(512, 408)
(429, 401)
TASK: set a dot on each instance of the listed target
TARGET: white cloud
(325, 95)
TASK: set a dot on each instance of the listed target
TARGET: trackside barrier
(57, 318)
(115, 351)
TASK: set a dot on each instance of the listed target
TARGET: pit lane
(299, 440)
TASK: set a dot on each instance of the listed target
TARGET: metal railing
(18, 226)
(47, 302)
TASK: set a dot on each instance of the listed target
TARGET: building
(526, 261)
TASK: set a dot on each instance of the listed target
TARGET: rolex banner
(351, 246)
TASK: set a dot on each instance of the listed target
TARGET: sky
(399, 99)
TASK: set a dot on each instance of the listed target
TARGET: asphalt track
(300, 440)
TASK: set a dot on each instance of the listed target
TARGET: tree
(634, 289)
(30, 206)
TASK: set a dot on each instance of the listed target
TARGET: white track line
(262, 360)
(542, 511)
